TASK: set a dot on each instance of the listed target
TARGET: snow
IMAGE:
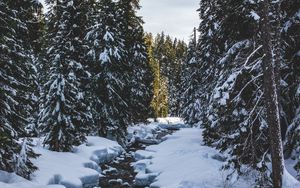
(11, 180)
(289, 181)
(99, 150)
(146, 133)
(74, 170)
(182, 161)
(255, 16)
(289, 165)
(169, 120)
(104, 57)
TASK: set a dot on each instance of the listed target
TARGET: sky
(175, 17)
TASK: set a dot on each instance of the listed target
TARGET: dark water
(119, 173)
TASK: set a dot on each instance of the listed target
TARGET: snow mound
(99, 150)
(143, 179)
(182, 161)
(146, 133)
(169, 120)
(75, 170)
(142, 131)
(11, 180)
(289, 181)
(142, 154)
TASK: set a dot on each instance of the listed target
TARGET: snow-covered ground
(78, 169)
(183, 162)
(72, 170)
(11, 180)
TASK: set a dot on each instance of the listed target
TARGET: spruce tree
(140, 87)
(110, 72)
(156, 75)
(170, 55)
(190, 83)
(31, 12)
(15, 93)
(64, 115)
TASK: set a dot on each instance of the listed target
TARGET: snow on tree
(64, 115)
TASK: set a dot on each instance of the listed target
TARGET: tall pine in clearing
(110, 72)
(15, 91)
(64, 115)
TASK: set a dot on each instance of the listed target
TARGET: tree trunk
(271, 98)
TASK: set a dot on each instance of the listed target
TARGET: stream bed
(119, 173)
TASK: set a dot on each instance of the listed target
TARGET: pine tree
(160, 102)
(64, 115)
(32, 36)
(15, 93)
(162, 98)
(110, 72)
(140, 88)
(190, 106)
(170, 55)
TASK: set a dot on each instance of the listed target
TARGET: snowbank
(182, 162)
(74, 170)
(146, 133)
(168, 120)
(11, 180)
(289, 181)
(143, 131)
(289, 164)
(99, 150)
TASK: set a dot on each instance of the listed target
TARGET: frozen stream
(119, 173)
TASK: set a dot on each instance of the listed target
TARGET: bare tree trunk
(271, 98)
